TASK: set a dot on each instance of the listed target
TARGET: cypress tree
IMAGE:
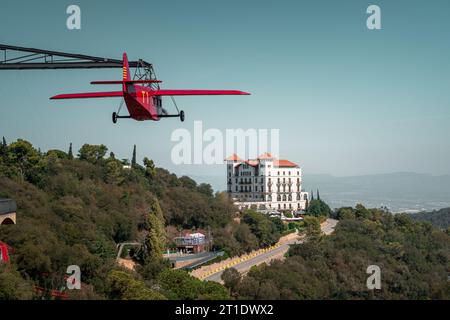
(318, 195)
(312, 195)
(70, 152)
(3, 147)
(133, 160)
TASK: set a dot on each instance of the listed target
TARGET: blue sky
(348, 100)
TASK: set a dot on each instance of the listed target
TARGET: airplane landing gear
(114, 117)
(182, 116)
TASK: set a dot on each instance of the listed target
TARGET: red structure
(4, 256)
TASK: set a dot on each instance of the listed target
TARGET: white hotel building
(266, 183)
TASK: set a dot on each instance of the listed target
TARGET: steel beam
(53, 60)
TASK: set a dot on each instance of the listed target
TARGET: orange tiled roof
(252, 162)
(233, 157)
(284, 163)
(265, 156)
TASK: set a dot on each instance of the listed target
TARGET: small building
(8, 209)
(191, 243)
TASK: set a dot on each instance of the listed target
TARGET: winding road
(277, 252)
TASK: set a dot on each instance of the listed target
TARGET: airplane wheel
(114, 117)
(182, 116)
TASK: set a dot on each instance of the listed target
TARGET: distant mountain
(400, 192)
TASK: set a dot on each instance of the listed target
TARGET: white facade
(266, 183)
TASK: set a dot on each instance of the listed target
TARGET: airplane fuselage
(142, 104)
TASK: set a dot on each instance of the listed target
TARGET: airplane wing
(89, 95)
(197, 92)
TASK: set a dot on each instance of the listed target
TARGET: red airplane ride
(143, 102)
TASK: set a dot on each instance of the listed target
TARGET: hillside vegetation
(438, 218)
(414, 260)
(74, 210)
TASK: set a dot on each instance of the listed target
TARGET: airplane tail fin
(125, 71)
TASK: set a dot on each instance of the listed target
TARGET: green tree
(213, 291)
(231, 279)
(23, 156)
(12, 285)
(361, 212)
(92, 153)
(188, 182)
(114, 171)
(150, 170)
(265, 229)
(345, 213)
(312, 227)
(206, 189)
(179, 285)
(70, 154)
(133, 159)
(3, 147)
(318, 208)
(58, 154)
(156, 237)
(123, 286)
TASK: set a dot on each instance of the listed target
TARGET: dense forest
(414, 259)
(439, 218)
(75, 209)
